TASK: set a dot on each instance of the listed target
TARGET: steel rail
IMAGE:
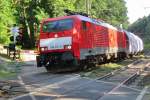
(111, 73)
(124, 82)
(127, 81)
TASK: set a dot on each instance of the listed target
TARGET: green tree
(114, 11)
(142, 28)
(29, 13)
(26, 12)
(7, 18)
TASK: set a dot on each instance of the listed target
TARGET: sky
(137, 9)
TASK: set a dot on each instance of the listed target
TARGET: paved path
(69, 87)
(48, 86)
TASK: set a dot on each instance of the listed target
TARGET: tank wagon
(135, 45)
(80, 40)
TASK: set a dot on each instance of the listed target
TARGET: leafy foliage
(6, 19)
(142, 28)
(28, 14)
(111, 11)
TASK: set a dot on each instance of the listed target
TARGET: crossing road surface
(70, 86)
(48, 86)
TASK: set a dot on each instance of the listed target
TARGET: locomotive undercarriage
(106, 58)
(92, 60)
(57, 61)
(67, 62)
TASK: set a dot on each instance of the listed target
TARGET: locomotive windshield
(59, 25)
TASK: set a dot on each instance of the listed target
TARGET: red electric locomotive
(78, 40)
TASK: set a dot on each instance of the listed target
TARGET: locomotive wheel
(48, 68)
(131, 56)
(64, 66)
(75, 62)
(88, 65)
(83, 67)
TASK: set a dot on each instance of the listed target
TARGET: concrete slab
(144, 95)
(123, 93)
(66, 87)
(43, 96)
(83, 89)
(90, 91)
(28, 97)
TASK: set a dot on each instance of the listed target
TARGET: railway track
(67, 84)
(123, 77)
(40, 78)
(119, 76)
(132, 74)
(30, 83)
(129, 69)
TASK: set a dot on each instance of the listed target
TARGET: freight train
(80, 40)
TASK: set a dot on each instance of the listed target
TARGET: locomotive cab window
(58, 25)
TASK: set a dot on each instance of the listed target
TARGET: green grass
(100, 70)
(9, 69)
(6, 74)
(126, 62)
(103, 69)
(147, 45)
(5, 56)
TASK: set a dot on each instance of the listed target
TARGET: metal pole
(14, 38)
(86, 6)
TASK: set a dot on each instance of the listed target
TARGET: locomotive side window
(84, 27)
(58, 25)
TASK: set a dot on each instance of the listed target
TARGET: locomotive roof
(84, 18)
(95, 21)
(133, 36)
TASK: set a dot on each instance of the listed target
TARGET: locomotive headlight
(67, 47)
(43, 48)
